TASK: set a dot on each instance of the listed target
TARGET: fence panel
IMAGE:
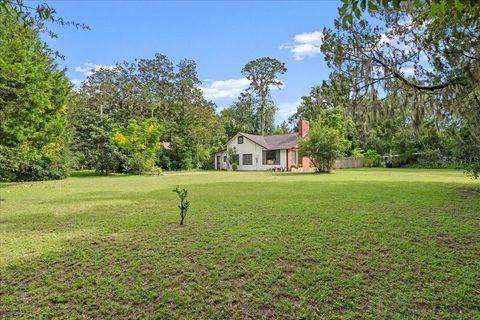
(348, 162)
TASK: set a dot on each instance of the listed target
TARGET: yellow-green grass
(360, 243)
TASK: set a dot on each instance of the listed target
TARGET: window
(240, 140)
(247, 159)
(224, 158)
(293, 154)
(235, 159)
(271, 157)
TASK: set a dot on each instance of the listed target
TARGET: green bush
(234, 166)
(372, 158)
(21, 164)
(139, 143)
(323, 145)
(357, 152)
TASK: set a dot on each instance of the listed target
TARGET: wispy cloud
(305, 45)
(231, 88)
(89, 68)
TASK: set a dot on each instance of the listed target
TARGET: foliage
(139, 143)
(323, 145)
(156, 89)
(358, 152)
(37, 18)
(92, 139)
(184, 204)
(437, 11)
(241, 115)
(234, 166)
(262, 74)
(278, 130)
(371, 158)
(232, 156)
(33, 97)
(409, 64)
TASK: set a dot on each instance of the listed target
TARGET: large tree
(240, 116)
(407, 58)
(33, 101)
(155, 89)
(262, 74)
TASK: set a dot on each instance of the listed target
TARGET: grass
(364, 243)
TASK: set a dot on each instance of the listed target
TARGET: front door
(218, 162)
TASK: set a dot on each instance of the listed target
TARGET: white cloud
(285, 110)
(315, 37)
(306, 44)
(89, 68)
(231, 88)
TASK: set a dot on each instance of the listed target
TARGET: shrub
(184, 204)
(357, 153)
(24, 164)
(140, 144)
(234, 166)
(372, 158)
(323, 145)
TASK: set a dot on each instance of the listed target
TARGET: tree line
(150, 114)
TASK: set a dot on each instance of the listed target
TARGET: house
(256, 152)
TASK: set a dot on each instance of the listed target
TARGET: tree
(323, 146)
(140, 144)
(311, 105)
(240, 116)
(155, 89)
(262, 74)
(92, 141)
(34, 95)
(414, 57)
(184, 203)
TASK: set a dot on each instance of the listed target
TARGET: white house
(256, 152)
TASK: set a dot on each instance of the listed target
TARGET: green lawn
(365, 243)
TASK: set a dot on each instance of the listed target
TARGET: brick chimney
(303, 127)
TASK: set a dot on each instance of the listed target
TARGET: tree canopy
(34, 95)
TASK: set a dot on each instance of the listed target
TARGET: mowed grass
(365, 243)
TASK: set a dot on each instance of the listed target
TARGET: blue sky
(220, 36)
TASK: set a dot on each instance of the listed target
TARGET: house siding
(249, 147)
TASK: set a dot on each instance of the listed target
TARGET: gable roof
(273, 142)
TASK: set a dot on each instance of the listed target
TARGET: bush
(139, 143)
(18, 164)
(372, 158)
(323, 145)
(234, 166)
(357, 153)
(155, 171)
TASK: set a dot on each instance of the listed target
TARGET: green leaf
(459, 5)
(363, 4)
(372, 6)
(358, 14)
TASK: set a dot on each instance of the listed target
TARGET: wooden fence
(348, 162)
